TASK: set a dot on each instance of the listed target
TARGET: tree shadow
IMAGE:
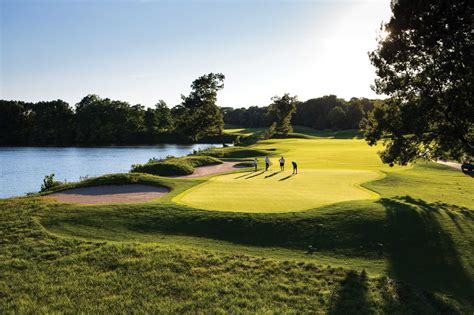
(287, 177)
(255, 175)
(273, 174)
(351, 296)
(421, 251)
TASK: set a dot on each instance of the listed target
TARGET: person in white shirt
(267, 163)
(255, 163)
(282, 163)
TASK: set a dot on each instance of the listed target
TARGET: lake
(22, 169)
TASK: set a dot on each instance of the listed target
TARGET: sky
(144, 51)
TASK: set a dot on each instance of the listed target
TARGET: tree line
(102, 121)
(327, 112)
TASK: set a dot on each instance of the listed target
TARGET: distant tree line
(327, 112)
(99, 121)
(102, 121)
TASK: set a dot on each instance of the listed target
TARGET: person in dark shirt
(295, 167)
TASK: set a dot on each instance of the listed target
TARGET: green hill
(406, 248)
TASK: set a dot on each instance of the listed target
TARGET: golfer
(267, 163)
(282, 163)
(255, 163)
(295, 167)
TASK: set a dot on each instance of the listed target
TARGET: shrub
(49, 182)
(164, 168)
(201, 160)
(175, 166)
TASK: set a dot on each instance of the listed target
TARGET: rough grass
(175, 166)
(43, 273)
(415, 243)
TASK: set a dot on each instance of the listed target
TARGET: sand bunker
(202, 171)
(110, 194)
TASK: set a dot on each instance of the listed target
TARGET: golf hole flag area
(330, 171)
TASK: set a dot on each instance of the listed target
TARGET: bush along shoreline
(173, 166)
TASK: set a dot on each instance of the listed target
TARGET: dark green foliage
(43, 123)
(270, 131)
(53, 123)
(158, 122)
(16, 122)
(164, 168)
(198, 115)
(313, 113)
(425, 65)
(175, 166)
(49, 182)
(336, 117)
(282, 109)
(104, 121)
(237, 152)
(250, 117)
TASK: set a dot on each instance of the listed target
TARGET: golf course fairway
(330, 171)
(347, 235)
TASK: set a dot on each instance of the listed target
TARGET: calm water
(22, 169)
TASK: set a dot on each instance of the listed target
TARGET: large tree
(53, 123)
(106, 121)
(425, 65)
(283, 109)
(198, 115)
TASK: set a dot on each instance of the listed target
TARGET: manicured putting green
(279, 191)
(331, 171)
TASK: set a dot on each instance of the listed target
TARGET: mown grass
(44, 273)
(415, 243)
(330, 171)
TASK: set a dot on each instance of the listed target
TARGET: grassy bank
(410, 250)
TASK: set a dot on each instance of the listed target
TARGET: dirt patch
(202, 171)
(110, 194)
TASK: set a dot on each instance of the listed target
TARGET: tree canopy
(198, 115)
(282, 109)
(425, 66)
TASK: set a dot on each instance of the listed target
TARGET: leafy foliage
(425, 65)
(336, 117)
(282, 109)
(164, 168)
(175, 166)
(198, 115)
(49, 182)
(312, 113)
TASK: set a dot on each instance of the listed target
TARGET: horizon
(141, 52)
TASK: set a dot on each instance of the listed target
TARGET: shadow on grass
(351, 296)
(421, 250)
(421, 241)
(273, 174)
(255, 175)
(245, 174)
(287, 177)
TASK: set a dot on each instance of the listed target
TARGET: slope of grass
(44, 273)
(415, 242)
(175, 166)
